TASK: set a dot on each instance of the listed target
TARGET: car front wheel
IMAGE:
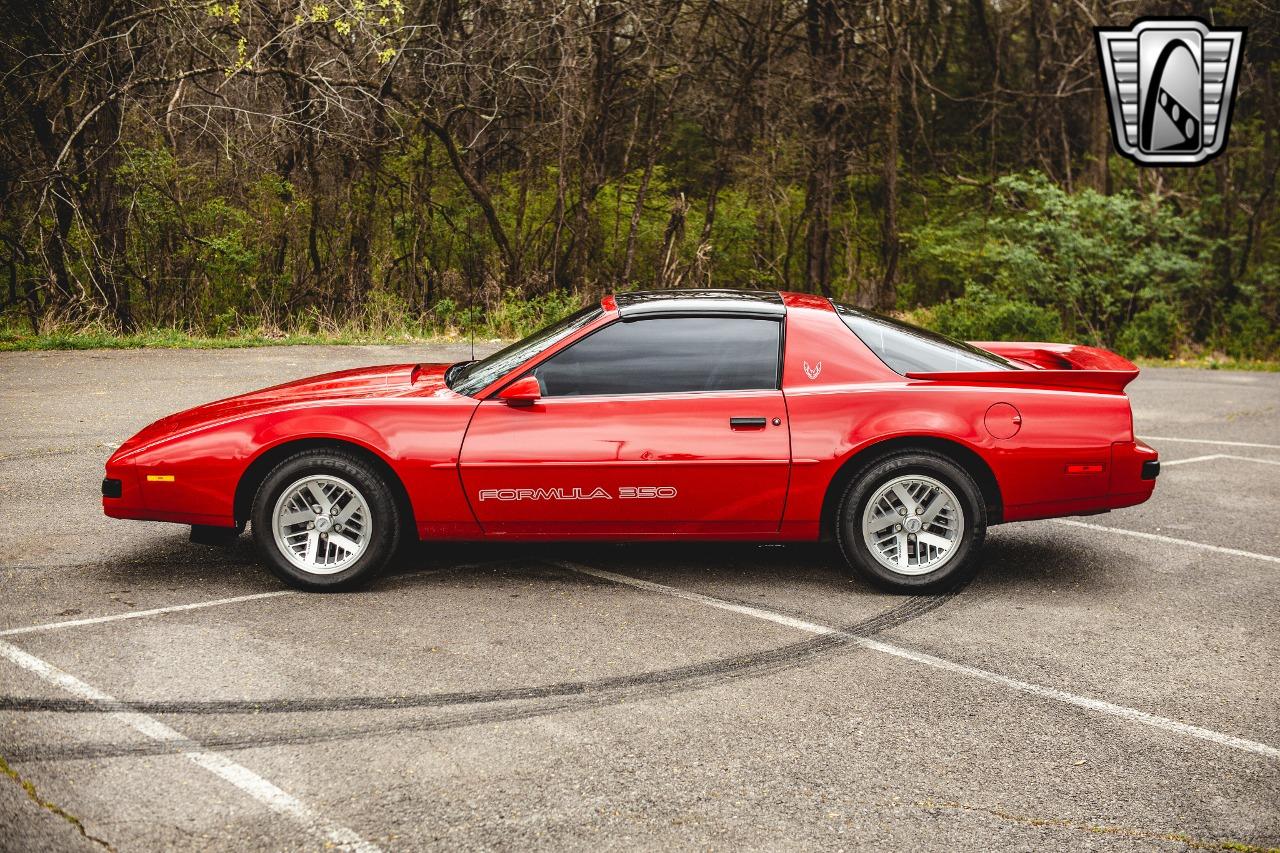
(325, 520)
(912, 522)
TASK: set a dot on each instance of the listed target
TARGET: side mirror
(522, 392)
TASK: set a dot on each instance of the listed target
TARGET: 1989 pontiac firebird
(696, 414)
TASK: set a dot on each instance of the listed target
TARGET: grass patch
(1211, 362)
(24, 341)
(383, 320)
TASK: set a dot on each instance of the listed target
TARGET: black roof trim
(705, 301)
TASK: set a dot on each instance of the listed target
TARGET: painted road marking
(1211, 441)
(138, 614)
(1156, 537)
(159, 611)
(330, 833)
(1165, 464)
(1121, 711)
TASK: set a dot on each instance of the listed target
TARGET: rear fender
(830, 437)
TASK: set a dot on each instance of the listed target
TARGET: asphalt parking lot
(1105, 683)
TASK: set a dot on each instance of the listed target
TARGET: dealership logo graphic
(1170, 84)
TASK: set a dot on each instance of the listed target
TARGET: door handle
(746, 423)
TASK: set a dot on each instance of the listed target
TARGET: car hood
(361, 383)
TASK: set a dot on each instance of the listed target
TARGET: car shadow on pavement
(1009, 561)
(1016, 559)
(171, 558)
(1022, 562)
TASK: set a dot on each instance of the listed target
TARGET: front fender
(193, 476)
(320, 425)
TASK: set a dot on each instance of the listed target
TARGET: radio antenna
(471, 313)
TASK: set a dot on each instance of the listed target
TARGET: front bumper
(122, 497)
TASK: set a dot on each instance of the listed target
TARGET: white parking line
(1131, 714)
(138, 614)
(159, 611)
(1210, 441)
(1156, 537)
(1211, 456)
(1166, 463)
(329, 833)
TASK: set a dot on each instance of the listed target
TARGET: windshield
(910, 349)
(471, 377)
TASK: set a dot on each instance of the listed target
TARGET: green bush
(1089, 257)
(1247, 334)
(514, 317)
(982, 316)
(1153, 333)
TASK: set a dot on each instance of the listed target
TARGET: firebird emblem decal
(812, 372)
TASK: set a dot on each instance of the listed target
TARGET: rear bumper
(1134, 468)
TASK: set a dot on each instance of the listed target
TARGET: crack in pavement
(1114, 831)
(49, 806)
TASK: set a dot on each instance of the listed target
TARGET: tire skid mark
(563, 696)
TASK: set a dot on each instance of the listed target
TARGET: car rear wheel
(912, 522)
(325, 520)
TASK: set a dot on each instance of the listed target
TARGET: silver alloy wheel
(913, 525)
(322, 524)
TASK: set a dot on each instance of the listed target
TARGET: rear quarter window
(909, 349)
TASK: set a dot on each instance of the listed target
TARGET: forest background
(187, 172)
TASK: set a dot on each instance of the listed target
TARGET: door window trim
(779, 319)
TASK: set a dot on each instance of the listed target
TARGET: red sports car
(698, 414)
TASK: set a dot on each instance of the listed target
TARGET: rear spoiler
(1066, 366)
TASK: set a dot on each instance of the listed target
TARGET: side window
(910, 349)
(667, 355)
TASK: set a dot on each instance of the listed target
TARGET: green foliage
(1247, 334)
(385, 318)
(360, 168)
(1020, 258)
(515, 318)
(980, 315)
(1099, 263)
(1153, 333)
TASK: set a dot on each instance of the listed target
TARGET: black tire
(960, 563)
(384, 524)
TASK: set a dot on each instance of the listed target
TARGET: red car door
(661, 426)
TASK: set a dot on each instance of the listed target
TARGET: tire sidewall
(384, 536)
(863, 486)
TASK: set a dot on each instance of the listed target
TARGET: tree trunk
(887, 294)
(481, 197)
(822, 24)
